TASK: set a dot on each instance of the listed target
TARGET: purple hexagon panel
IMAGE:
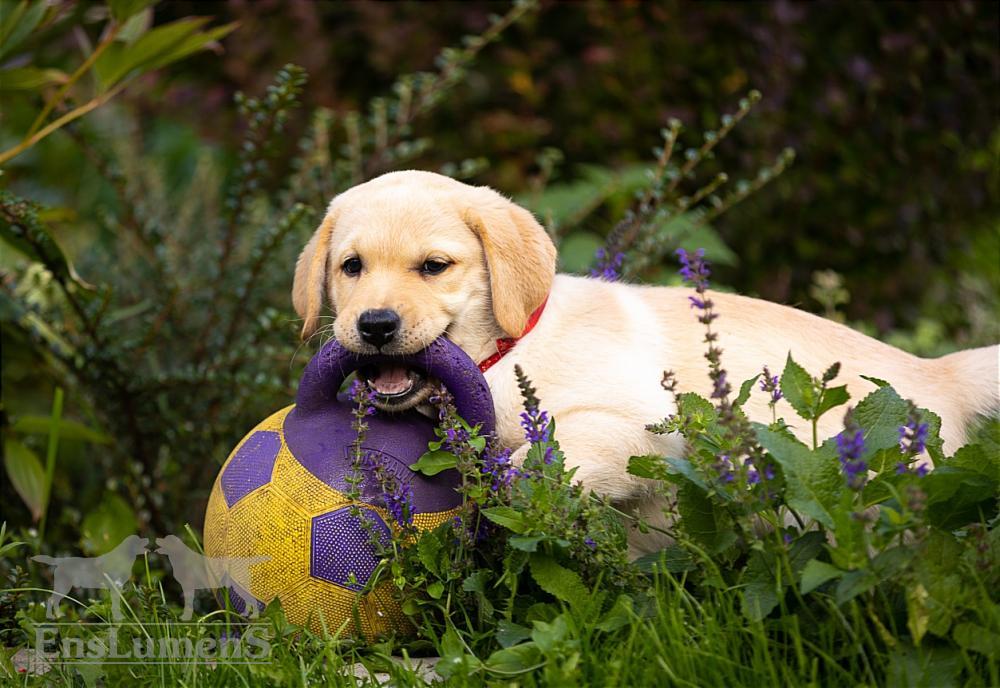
(251, 466)
(240, 600)
(341, 545)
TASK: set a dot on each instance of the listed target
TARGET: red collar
(505, 344)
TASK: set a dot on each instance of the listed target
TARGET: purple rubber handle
(443, 360)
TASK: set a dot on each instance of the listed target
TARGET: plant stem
(50, 456)
(109, 38)
(61, 122)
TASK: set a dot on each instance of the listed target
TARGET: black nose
(378, 326)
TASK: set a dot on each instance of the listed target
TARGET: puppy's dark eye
(433, 267)
(351, 266)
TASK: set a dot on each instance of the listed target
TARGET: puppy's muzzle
(378, 326)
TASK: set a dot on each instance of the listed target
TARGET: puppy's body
(598, 351)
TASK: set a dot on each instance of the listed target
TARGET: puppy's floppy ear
(520, 256)
(310, 275)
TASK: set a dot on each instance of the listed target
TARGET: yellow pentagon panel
(303, 488)
(431, 520)
(216, 523)
(275, 421)
(266, 523)
(318, 605)
(383, 613)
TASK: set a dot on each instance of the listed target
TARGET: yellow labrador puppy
(411, 256)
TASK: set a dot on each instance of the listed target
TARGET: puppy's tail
(976, 376)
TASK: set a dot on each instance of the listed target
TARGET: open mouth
(394, 384)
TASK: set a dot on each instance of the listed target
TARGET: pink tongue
(391, 380)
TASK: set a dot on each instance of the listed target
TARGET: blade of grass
(50, 457)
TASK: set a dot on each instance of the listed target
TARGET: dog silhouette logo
(195, 572)
(108, 571)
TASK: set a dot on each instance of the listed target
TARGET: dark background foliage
(891, 107)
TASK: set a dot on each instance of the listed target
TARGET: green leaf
(26, 474)
(855, 583)
(30, 78)
(813, 479)
(619, 616)
(121, 10)
(804, 549)
(454, 660)
(433, 462)
(429, 550)
(917, 612)
(932, 666)
(699, 235)
(107, 525)
(797, 388)
(157, 48)
(508, 517)
(881, 414)
(705, 523)
(761, 592)
(977, 638)
(192, 44)
(136, 26)
(547, 636)
(68, 429)
(557, 580)
(816, 573)
(958, 496)
(877, 381)
(510, 633)
(566, 205)
(759, 599)
(576, 251)
(974, 457)
(525, 543)
(745, 390)
(18, 22)
(832, 397)
(515, 660)
(19, 227)
(435, 590)
(649, 466)
(934, 444)
(476, 583)
(696, 406)
(685, 468)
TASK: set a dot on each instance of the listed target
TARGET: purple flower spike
(850, 447)
(913, 435)
(608, 265)
(694, 269)
(536, 425)
(770, 383)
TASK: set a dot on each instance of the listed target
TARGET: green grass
(671, 638)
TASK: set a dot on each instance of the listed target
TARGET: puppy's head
(411, 256)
